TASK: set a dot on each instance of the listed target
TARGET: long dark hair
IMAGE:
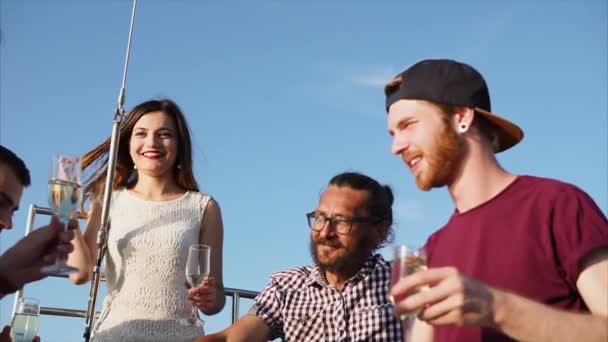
(379, 202)
(95, 162)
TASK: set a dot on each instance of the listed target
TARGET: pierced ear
(463, 118)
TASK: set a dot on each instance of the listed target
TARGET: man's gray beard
(355, 256)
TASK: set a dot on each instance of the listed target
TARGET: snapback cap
(449, 82)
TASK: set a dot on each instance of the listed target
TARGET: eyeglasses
(342, 224)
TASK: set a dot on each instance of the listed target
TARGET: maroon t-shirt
(529, 240)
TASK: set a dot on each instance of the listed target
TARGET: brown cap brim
(509, 134)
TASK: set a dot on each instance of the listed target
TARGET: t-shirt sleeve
(267, 306)
(579, 228)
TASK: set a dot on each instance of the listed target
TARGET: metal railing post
(235, 307)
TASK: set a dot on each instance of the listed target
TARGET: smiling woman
(157, 213)
(168, 120)
(153, 145)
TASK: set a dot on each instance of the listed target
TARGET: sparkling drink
(415, 263)
(197, 271)
(195, 280)
(407, 261)
(24, 327)
(64, 197)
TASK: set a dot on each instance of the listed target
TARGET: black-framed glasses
(341, 224)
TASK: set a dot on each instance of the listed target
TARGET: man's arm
(249, 328)
(524, 319)
(457, 299)
(593, 283)
(420, 331)
(21, 263)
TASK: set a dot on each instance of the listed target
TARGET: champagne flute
(407, 260)
(24, 326)
(197, 271)
(64, 198)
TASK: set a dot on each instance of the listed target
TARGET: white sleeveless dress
(145, 268)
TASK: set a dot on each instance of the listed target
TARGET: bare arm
(459, 299)
(249, 328)
(84, 255)
(526, 320)
(210, 297)
(420, 331)
(592, 283)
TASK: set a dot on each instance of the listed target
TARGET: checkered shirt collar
(317, 276)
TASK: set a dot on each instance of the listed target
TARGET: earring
(463, 128)
(179, 167)
(134, 167)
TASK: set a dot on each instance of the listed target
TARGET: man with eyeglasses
(343, 296)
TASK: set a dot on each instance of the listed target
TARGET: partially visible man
(21, 263)
(522, 257)
(344, 295)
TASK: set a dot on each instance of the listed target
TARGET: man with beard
(344, 295)
(522, 257)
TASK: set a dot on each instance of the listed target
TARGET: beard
(349, 259)
(443, 158)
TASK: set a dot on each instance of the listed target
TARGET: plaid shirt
(299, 305)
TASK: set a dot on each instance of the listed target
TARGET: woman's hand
(204, 297)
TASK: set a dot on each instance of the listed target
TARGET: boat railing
(234, 293)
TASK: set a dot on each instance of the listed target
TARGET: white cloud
(371, 76)
(353, 88)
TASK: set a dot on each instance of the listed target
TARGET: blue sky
(282, 95)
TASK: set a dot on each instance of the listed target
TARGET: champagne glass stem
(62, 259)
(194, 316)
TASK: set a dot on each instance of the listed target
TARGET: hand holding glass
(24, 326)
(64, 198)
(407, 260)
(197, 271)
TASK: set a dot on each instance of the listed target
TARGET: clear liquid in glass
(197, 271)
(196, 280)
(24, 327)
(64, 197)
(408, 261)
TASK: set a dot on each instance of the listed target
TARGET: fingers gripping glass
(342, 224)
